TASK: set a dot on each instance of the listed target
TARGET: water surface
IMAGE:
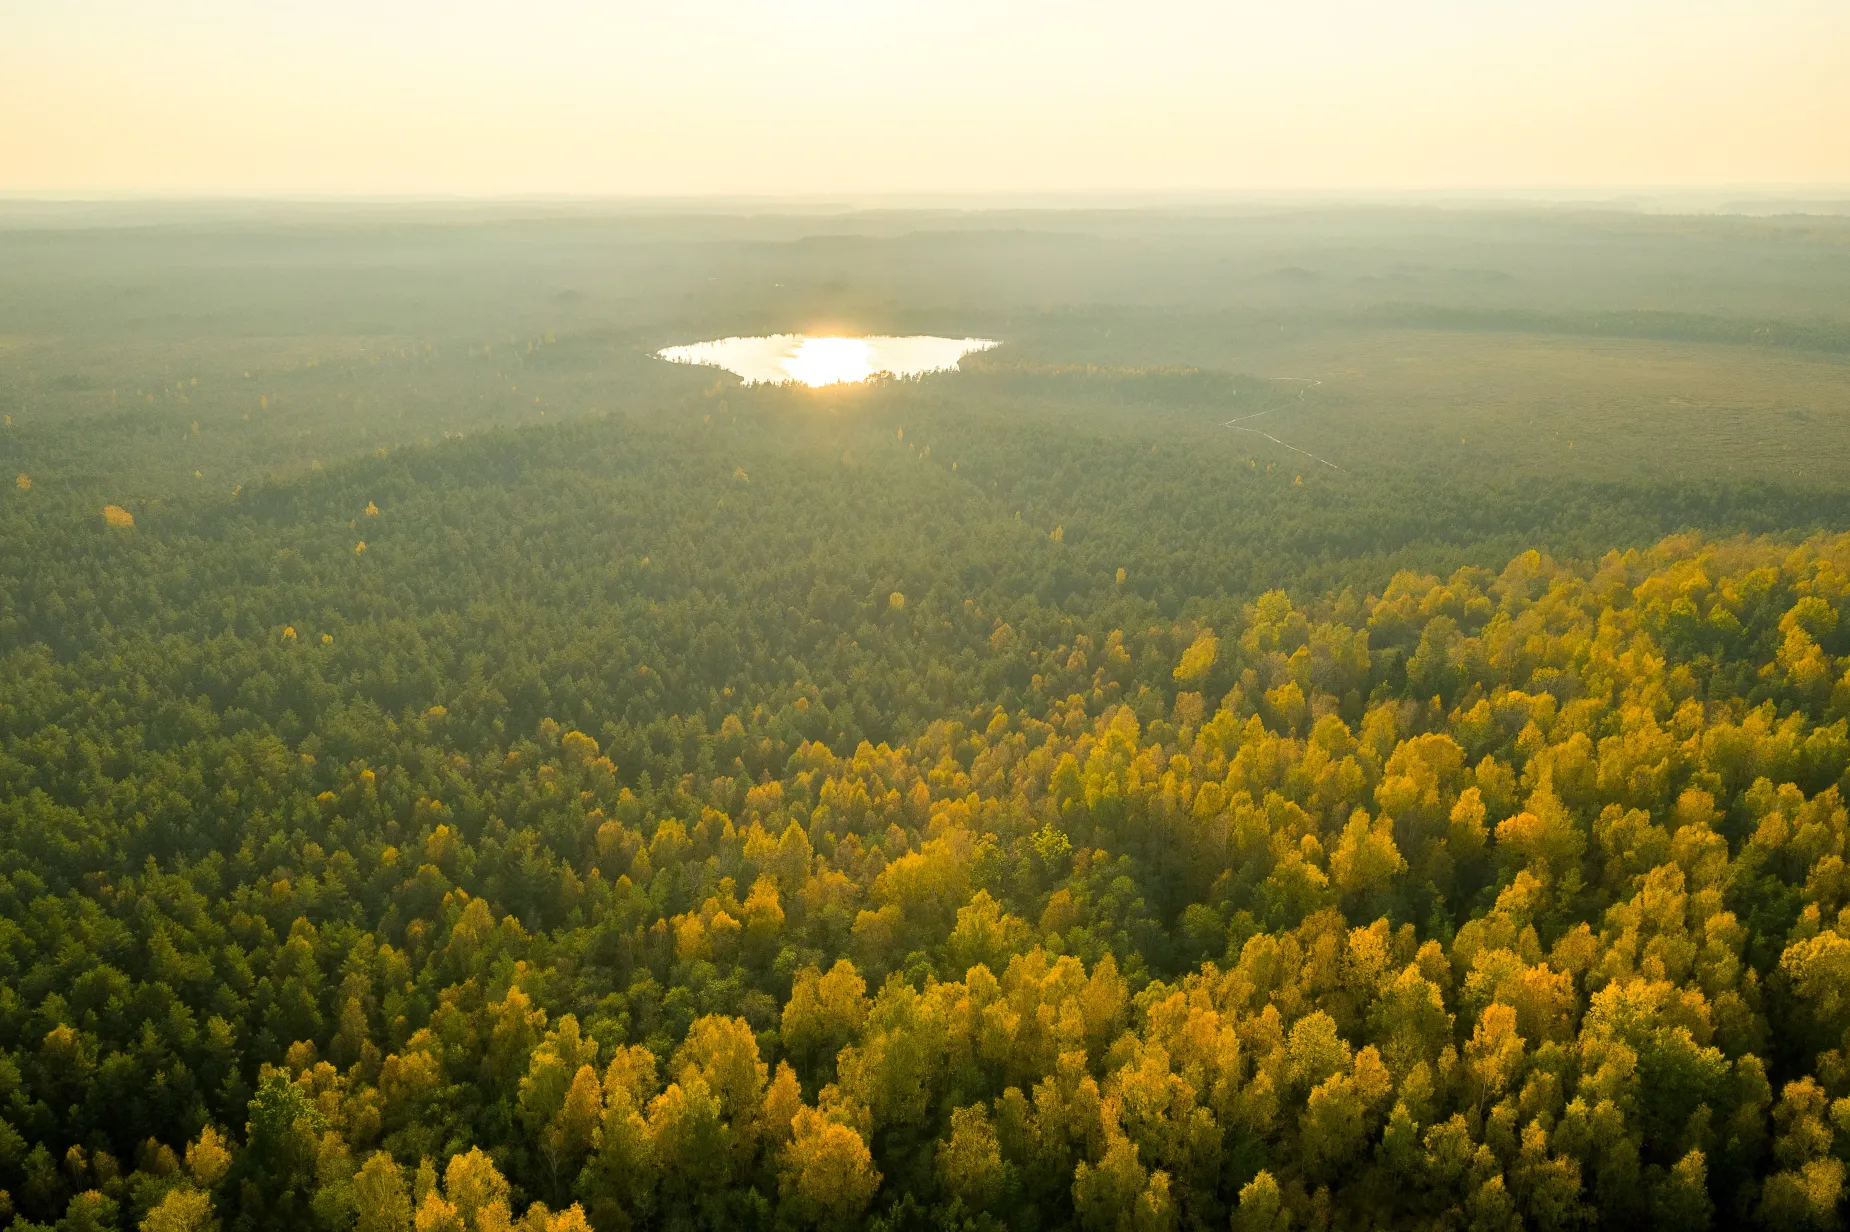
(777, 358)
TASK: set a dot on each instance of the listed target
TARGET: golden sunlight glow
(830, 361)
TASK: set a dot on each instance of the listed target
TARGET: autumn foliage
(1503, 899)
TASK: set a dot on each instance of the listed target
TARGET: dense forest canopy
(459, 774)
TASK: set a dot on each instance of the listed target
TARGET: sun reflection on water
(827, 359)
(830, 361)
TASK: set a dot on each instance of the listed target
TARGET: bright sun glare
(830, 361)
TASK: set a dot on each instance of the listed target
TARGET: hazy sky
(409, 97)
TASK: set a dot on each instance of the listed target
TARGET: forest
(459, 774)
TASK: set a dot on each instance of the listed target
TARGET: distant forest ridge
(1818, 335)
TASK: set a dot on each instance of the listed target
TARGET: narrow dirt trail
(1236, 422)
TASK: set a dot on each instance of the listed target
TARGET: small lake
(778, 358)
